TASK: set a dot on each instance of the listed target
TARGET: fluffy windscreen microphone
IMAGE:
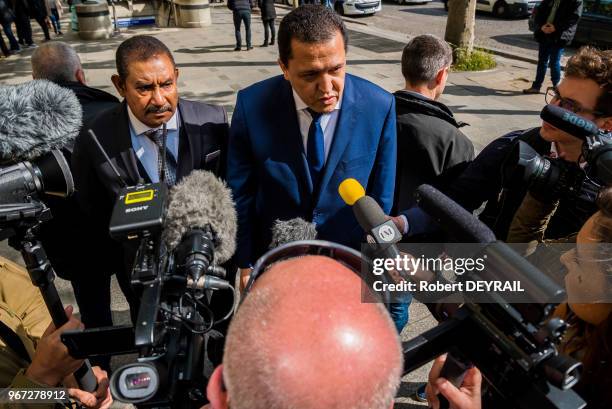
(287, 231)
(202, 199)
(37, 117)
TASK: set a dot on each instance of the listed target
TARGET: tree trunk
(460, 24)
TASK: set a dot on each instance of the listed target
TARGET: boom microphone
(200, 201)
(287, 231)
(37, 117)
(461, 224)
(569, 122)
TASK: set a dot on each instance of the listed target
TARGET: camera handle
(454, 370)
(42, 275)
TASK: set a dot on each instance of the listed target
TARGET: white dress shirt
(328, 123)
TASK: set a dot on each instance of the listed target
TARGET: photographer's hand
(465, 397)
(100, 399)
(51, 362)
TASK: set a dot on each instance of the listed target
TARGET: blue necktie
(315, 149)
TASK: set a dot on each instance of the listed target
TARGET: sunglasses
(552, 95)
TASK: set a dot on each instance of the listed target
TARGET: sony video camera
(23, 187)
(175, 319)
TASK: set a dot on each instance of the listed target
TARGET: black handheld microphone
(569, 122)
(461, 224)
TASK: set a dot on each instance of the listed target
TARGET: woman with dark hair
(268, 14)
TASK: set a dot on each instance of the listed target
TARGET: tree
(460, 24)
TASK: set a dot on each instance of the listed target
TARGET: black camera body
(23, 186)
(174, 318)
(554, 178)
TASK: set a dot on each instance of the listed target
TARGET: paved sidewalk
(491, 102)
(210, 71)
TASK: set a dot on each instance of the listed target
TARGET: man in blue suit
(294, 138)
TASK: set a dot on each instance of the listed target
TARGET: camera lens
(135, 382)
(138, 380)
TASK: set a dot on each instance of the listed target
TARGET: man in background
(555, 28)
(58, 62)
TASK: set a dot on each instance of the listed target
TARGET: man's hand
(548, 28)
(245, 274)
(465, 397)
(399, 223)
(51, 362)
(100, 399)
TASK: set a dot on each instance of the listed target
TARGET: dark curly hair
(139, 48)
(308, 24)
(594, 64)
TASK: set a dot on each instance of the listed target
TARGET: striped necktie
(156, 135)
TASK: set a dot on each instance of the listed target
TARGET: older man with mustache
(131, 134)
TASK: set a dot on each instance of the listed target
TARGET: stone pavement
(491, 102)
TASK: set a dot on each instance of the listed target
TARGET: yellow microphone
(368, 212)
(350, 191)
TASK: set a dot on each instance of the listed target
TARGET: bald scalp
(303, 339)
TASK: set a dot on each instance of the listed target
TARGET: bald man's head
(57, 62)
(303, 339)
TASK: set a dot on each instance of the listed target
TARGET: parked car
(357, 7)
(505, 8)
(595, 25)
(413, 1)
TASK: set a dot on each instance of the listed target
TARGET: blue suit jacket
(268, 172)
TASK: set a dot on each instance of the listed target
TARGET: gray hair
(55, 61)
(423, 57)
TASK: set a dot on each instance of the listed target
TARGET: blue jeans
(55, 20)
(548, 54)
(399, 313)
(9, 34)
(244, 16)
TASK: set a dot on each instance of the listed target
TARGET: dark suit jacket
(565, 22)
(203, 131)
(64, 236)
(268, 172)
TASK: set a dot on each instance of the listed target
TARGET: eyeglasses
(552, 95)
(345, 255)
